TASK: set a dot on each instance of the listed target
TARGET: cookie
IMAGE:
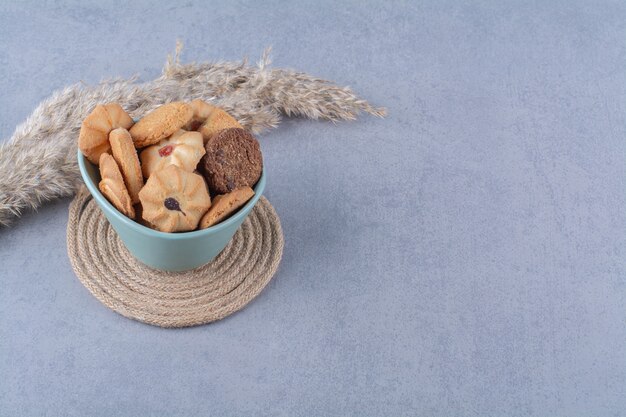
(113, 187)
(183, 149)
(93, 139)
(233, 159)
(217, 120)
(224, 205)
(174, 200)
(201, 111)
(160, 123)
(126, 157)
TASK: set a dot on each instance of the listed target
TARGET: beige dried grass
(38, 163)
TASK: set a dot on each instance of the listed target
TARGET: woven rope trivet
(173, 299)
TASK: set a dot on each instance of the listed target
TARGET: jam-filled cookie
(160, 123)
(183, 149)
(233, 159)
(93, 139)
(216, 121)
(224, 205)
(201, 111)
(174, 200)
(126, 157)
(113, 187)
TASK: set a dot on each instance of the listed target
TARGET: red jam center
(166, 150)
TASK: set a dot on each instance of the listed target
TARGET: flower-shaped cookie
(174, 200)
(201, 111)
(217, 121)
(183, 149)
(94, 132)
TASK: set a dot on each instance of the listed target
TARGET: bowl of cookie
(176, 184)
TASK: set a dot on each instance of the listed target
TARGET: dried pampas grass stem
(38, 163)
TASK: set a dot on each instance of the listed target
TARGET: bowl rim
(106, 205)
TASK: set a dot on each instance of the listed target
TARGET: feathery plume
(38, 163)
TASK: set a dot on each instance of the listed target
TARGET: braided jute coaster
(173, 299)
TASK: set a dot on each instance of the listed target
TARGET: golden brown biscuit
(224, 205)
(126, 157)
(183, 149)
(94, 132)
(112, 186)
(118, 117)
(174, 200)
(218, 120)
(160, 123)
(201, 111)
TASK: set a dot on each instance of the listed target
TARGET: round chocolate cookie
(232, 160)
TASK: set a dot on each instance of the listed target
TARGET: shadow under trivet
(173, 299)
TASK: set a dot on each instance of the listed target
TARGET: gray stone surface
(465, 256)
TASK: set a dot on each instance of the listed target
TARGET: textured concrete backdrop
(466, 256)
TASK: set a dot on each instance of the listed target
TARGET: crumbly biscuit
(183, 149)
(126, 157)
(217, 120)
(93, 139)
(201, 111)
(233, 159)
(160, 123)
(112, 185)
(174, 200)
(224, 205)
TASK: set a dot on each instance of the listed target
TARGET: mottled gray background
(465, 256)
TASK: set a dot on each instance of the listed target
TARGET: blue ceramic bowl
(167, 251)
